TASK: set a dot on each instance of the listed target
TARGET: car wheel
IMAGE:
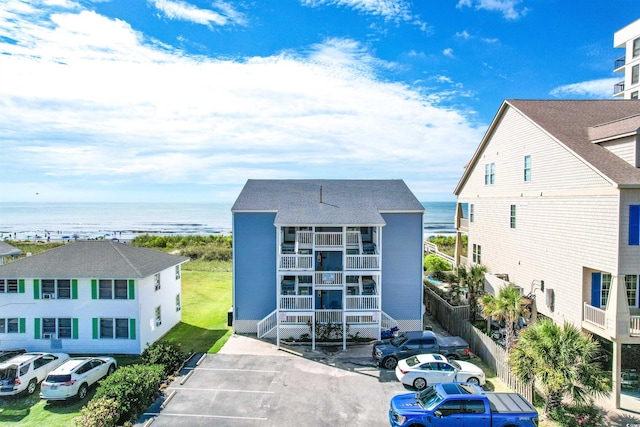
(389, 363)
(420, 383)
(112, 369)
(473, 380)
(82, 391)
(31, 387)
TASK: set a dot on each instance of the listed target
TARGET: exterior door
(596, 289)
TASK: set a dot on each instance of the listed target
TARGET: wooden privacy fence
(455, 320)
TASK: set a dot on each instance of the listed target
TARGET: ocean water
(63, 221)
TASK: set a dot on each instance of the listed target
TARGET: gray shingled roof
(8, 250)
(92, 259)
(297, 202)
(569, 122)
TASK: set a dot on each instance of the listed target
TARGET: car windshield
(428, 397)
(8, 373)
(455, 364)
(398, 341)
(58, 378)
(412, 361)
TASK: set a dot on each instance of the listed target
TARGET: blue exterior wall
(402, 249)
(254, 240)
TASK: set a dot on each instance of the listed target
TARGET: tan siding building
(551, 193)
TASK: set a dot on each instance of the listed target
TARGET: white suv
(24, 372)
(74, 377)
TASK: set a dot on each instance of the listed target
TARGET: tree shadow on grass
(197, 339)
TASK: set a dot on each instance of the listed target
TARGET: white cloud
(84, 98)
(508, 8)
(177, 9)
(448, 52)
(396, 10)
(463, 34)
(593, 89)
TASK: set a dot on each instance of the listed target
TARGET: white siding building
(553, 205)
(90, 297)
(628, 38)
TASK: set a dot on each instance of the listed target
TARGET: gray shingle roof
(92, 259)
(8, 250)
(298, 202)
(569, 122)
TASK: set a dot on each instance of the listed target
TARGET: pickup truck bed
(511, 403)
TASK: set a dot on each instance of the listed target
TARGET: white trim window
(111, 328)
(113, 289)
(9, 286)
(527, 168)
(178, 272)
(53, 328)
(477, 254)
(156, 281)
(631, 284)
(178, 305)
(489, 173)
(512, 216)
(10, 325)
(158, 316)
(606, 289)
(472, 213)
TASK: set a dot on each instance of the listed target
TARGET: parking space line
(219, 389)
(203, 416)
(236, 370)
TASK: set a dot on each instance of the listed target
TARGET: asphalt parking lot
(251, 383)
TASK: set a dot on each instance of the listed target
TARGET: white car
(423, 369)
(23, 373)
(74, 377)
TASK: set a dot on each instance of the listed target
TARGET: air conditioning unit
(48, 295)
(48, 336)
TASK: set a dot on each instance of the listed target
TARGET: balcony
(363, 262)
(619, 63)
(463, 224)
(329, 278)
(365, 302)
(328, 239)
(296, 262)
(296, 302)
(618, 89)
(598, 317)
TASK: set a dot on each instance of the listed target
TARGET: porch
(597, 320)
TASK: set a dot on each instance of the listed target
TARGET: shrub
(434, 263)
(101, 412)
(164, 353)
(579, 416)
(133, 388)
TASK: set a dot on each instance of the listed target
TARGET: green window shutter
(74, 328)
(95, 321)
(36, 328)
(132, 289)
(74, 289)
(94, 289)
(21, 286)
(23, 325)
(36, 288)
(132, 329)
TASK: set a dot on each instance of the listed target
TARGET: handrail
(267, 324)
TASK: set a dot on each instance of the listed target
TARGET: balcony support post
(617, 314)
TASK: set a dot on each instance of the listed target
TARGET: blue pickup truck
(461, 404)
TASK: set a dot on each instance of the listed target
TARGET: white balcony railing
(353, 238)
(464, 223)
(329, 278)
(363, 302)
(304, 238)
(296, 302)
(634, 327)
(328, 239)
(594, 315)
(329, 316)
(296, 262)
(363, 262)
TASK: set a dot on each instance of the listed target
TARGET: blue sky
(171, 100)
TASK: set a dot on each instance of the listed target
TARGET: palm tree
(562, 361)
(507, 306)
(473, 279)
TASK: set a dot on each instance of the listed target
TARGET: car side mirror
(437, 414)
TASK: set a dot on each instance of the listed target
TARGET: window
(631, 283)
(474, 407)
(52, 288)
(471, 212)
(634, 225)
(9, 286)
(12, 325)
(120, 289)
(56, 327)
(450, 407)
(606, 288)
(158, 316)
(635, 74)
(48, 328)
(48, 288)
(634, 95)
(527, 168)
(477, 254)
(64, 289)
(636, 47)
(177, 272)
(3, 326)
(105, 290)
(489, 173)
(109, 326)
(3, 287)
(512, 221)
(178, 302)
(156, 280)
